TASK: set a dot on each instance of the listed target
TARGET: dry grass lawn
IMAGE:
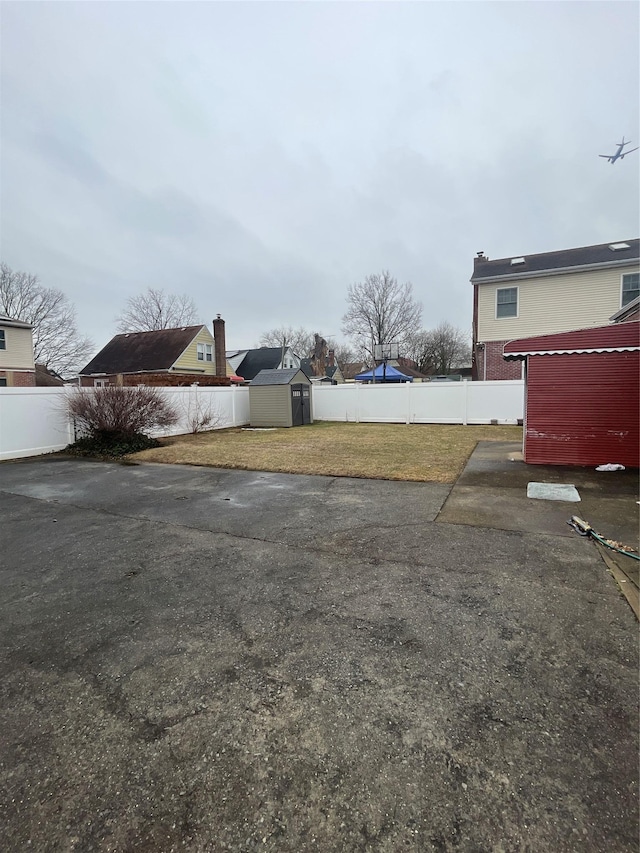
(425, 452)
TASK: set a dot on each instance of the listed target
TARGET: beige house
(543, 294)
(17, 367)
(163, 357)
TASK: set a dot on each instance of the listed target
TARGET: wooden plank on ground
(625, 581)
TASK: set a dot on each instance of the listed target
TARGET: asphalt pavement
(201, 659)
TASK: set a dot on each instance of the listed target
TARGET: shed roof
(277, 377)
(551, 262)
(620, 337)
(141, 351)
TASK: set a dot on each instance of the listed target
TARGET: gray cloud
(261, 157)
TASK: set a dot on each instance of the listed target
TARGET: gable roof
(141, 351)
(549, 263)
(278, 377)
(619, 337)
(265, 358)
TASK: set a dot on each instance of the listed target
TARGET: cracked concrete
(220, 660)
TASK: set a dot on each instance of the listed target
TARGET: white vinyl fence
(421, 402)
(34, 421)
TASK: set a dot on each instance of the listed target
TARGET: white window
(205, 352)
(507, 302)
(630, 287)
(3, 340)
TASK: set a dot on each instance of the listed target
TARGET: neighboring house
(46, 378)
(248, 363)
(17, 367)
(164, 357)
(547, 294)
(332, 374)
(350, 369)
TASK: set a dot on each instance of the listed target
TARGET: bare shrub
(120, 412)
(199, 413)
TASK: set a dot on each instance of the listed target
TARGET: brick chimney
(332, 358)
(220, 346)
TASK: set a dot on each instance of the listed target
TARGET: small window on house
(3, 381)
(3, 340)
(205, 352)
(630, 287)
(507, 302)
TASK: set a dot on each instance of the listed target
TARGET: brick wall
(19, 379)
(170, 380)
(497, 367)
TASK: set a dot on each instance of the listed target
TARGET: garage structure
(280, 398)
(581, 395)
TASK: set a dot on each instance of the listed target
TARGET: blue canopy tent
(383, 373)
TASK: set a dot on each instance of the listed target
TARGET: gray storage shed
(280, 398)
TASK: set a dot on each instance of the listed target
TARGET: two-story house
(542, 294)
(17, 367)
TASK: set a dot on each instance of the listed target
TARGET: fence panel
(33, 421)
(421, 402)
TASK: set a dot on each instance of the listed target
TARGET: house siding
(18, 354)
(188, 361)
(548, 304)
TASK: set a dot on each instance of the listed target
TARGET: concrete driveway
(215, 660)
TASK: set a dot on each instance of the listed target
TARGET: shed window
(630, 287)
(3, 340)
(205, 352)
(507, 302)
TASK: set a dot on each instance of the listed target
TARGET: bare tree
(155, 309)
(380, 311)
(300, 340)
(56, 342)
(343, 353)
(440, 350)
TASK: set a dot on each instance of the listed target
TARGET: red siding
(583, 409)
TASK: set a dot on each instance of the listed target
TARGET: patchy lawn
(419, 452)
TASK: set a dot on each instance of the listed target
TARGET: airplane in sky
(618, 155)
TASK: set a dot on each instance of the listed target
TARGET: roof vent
(516, 261)
(616, 247)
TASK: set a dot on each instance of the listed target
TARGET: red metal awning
(618, 337)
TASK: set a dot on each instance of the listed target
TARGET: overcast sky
(263, 156)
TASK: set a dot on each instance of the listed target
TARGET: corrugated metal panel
(582, 409)
(613, 336)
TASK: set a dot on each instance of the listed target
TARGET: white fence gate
(34, 420)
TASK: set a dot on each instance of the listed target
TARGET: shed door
(300, 405)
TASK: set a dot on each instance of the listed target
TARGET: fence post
(465, 411)
(409, 392)
(233, 404)
(357, 390)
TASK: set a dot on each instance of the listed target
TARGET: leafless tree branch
(154, 309)
(56, 342)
